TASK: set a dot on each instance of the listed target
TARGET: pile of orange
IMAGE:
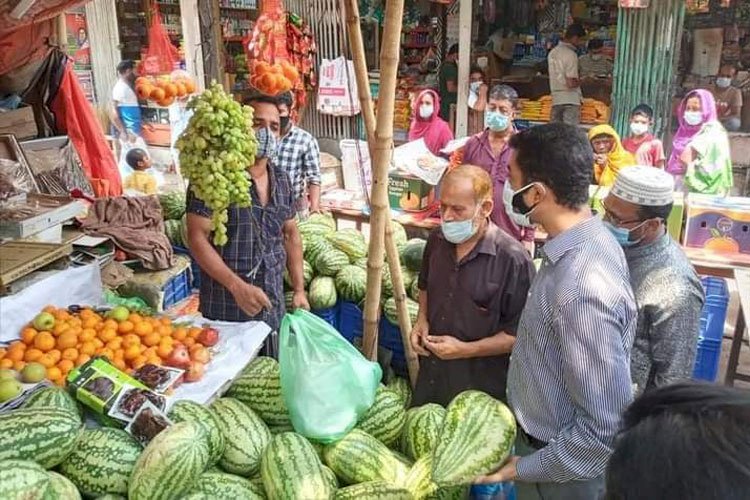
(163, 91)
(75, 338)
(273, 79)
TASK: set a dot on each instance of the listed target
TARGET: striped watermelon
(322, 294)
(384, 420)
(408, 276)
(278, 429)
(398, 234)
(419, 480)
(351, 283)
(373, 490)
(477, 436)
(362, 262)
(311, 229)
(171, 463)
(414, 290)
(349, 241)
(391, 313)
(359, 457)
(245, 434)
(257, 482)
(330, 262)
(102, 462)
(190, 411)
(291, 469)
(314, 247)
(45, 435)
(288, 300)
(54, 397)
(422, 430)
(307, 273)
(222, 485)
(412, 253)
(402, 388)
(259, 387)
(326, 220)
(386, 283)
(22, 480)
(109, 496)
(450, 493)
(61, 488)
(330, 476)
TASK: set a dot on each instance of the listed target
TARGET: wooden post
(392, 256)
(389, 54)
(213, 46)
(464, 63)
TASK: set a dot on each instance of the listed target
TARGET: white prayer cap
(645, 186)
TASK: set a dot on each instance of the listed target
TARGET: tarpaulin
(23, 45)
(40, 10)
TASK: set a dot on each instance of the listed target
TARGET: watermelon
(291, 469)
(307, 273)
(288, 300)
(384, 420)
(412, 253)
(326, 220)
(373, 490)
(398, 234)
(257, 482)
(359, 457)
(173, 230)
(315, 246)
(44, 435)
(477, 435)
(414, 290)
(330, 262)
(61, 488)
(245, 434)
(259, 387)
(422, 430)
(419, 480)
(172, 205)
(402, 388)
(351, 283)
(322, 294)
(278, 429)
(109, 496)
(222, 485)
(409, 277)
(55, 397)
(310, 229)
(450, 493)
(22, 480)
(330, 476)
(190, 411)
(349, 241)
(171, 463)
(102, 462)
(386, 283)
(391, 312)
(362, 262)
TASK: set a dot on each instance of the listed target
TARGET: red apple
(195, 372)
(178, 358)
(208, 336)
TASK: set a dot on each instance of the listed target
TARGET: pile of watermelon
(335, 266)
(243, 446)
(175, 219)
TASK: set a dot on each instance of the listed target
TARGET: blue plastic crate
(330, 315)
(714, 312)
(707, 359)
(350, 323)
(177, 289)
(389, 337)
(194, 268)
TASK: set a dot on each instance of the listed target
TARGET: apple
(33, 373)
(119, 313)
(179, 357)
(8, 374)
(9, 389)
(44, 322)
(195, 372)
(209, 336)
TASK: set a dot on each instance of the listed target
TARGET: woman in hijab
(609, 155)
(427, 125)
(701, 160)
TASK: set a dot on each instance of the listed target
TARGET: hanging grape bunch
(216, 149)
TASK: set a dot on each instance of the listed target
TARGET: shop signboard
(634, 4)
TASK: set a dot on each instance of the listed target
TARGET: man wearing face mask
(728, 99)
(473, 287)
(243, 280)
(298, 155)
(569, 377)
(667, 289)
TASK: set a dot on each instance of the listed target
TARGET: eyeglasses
(610, 217)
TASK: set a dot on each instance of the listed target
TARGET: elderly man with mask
(242, 280)
(472, 289)
(667, 290)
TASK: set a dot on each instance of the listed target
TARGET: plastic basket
(176, 289)
(714, 312)
(330, 315)
(707, 359)
(194, 267)
(389, 337)
(350, 323)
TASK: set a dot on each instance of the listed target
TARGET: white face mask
(426, 110)
(638, 128)
(723, 82)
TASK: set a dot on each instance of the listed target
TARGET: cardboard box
(19, 122)
(718, 224)
(409, 193)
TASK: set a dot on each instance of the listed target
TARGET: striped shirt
(298, 155)
(569, 378)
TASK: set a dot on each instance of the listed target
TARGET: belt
(531, 440)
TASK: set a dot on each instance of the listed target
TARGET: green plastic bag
(326, 383)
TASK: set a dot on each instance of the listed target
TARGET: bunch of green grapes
(216, 149)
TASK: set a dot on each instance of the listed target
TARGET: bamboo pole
(368, 115)
(381, 148)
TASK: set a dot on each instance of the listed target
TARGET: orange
(90, 322)
(107, 353)
(60, 328)
(32, 354)
(135, 318)
(115, 343)
(87, 334)
(164, 351)
(27, 335)
(107, 334)
(165, 320)
(164, 331)
(151, 339)
(67, 340)
(131, 339)
(15, 355)
(19, 365)
(153, 360)
(189, 342)
(82, 358)
(55, 354)
(98, 343)
(44, 341)
(65, 366)
(143, 328)
(119, 354)
(193, 332)
(139, 362)
(47, 361)
(110, 323)
(119, 363)
(54, 373)
(179, 334)
(132, 352)
(125, 327)
(3, 351)
(87, 348)
(200, 354)
(70, 354)
(6, 363)
(75, 322)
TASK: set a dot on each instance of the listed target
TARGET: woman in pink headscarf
(701, 160)
(426, 124)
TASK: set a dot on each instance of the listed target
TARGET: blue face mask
(459, 231)
(496, 121)
(693, 117)
(622, 235)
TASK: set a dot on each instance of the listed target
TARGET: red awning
(40, 10)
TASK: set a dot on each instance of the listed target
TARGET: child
(647, 149)
(141, 180)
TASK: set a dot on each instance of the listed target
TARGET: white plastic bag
(337, 88)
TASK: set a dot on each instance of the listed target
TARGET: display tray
(10, 149)
(48, 211)
(19, 258)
